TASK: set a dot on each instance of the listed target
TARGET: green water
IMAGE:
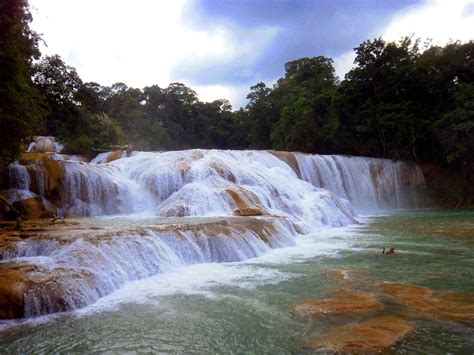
(247, 307)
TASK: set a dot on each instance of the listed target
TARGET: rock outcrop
(35, 208)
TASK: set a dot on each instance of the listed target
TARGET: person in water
(389, 251)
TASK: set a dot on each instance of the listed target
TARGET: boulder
(35, 208)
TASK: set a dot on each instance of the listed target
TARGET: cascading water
(280, 199)
(69, 272)
(370, 184)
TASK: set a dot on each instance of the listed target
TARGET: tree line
(402, 100)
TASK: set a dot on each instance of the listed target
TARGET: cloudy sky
(222, 47)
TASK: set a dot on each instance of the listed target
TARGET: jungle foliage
(401, 100)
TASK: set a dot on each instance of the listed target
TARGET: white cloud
(343, 63)
(235, 94)
(438, 20)
(138, 43)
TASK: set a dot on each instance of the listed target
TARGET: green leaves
(20, 102)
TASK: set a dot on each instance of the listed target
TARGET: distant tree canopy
(399, 101)
(20, 111)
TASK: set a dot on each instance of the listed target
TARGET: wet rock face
(35, 208)
(374, 334)
(28, 290)
(289, 158)
(246, 202)
(45, 175)
(341, 302)
(116, 154)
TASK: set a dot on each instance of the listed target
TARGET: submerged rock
(342, 301)
(374, 334)
(449, 305)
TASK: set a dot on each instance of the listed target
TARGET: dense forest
(402, 100)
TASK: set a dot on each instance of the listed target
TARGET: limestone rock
(457, 306)
(374, 334)
(115, 155)
(248, 211)
(35, 208)
(49, 287)
(343, 301)
(289, 158)
(246, 202)
(182, 167)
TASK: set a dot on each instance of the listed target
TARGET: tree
(304, 101)
(377, 106)
(455, 130)
(59, 83)
(261, 116)
(20, 111)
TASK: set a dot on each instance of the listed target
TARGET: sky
(222, 47)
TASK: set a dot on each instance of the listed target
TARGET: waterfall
(370, 184)
(67, 273)
(237, 204)
(18, 177)
(215, 182)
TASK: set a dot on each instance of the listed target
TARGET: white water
(196, 183)
(326, 191)
(370, 184)
(70, 273)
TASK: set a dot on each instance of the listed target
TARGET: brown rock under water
(374, 334)
(182, 166)
(342, 301)
(354, 276)
(223, 171)
(451, 305)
